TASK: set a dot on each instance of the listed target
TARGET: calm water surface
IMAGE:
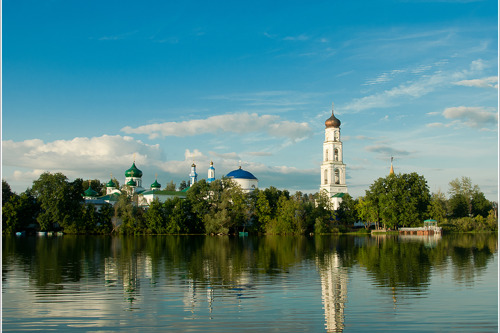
(278, 283)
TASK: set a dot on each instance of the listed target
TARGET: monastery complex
(333, 175)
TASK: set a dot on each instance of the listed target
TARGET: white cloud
(20, 175)
(471, 116)
(226, 156)
(301, 37)
(487, 82)
(435, 125)
(77, 154)
(259, 153)
(386, 150)
(240, 123)
(416, 88)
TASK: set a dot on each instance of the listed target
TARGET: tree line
(221, 207)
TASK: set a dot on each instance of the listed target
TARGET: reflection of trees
(394, 263)
(469, 254)
(232, 261)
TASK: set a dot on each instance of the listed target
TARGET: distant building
(245, 179)
(133, 185)
(211, 173)
(333, 169)
(193, 176)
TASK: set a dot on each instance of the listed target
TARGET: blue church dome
(240, 174)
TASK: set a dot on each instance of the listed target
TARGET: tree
(170, 186)
(458, 206)
(323, 213)
(6, 192)
(61, 202)
(463, 187)
(437, 207)
(262, 211)
(480, 205)
(347, 213)
(183, 185)
(155, 218)
(397, 200)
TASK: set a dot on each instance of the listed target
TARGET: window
(325, 176)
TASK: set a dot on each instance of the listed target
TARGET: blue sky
(86, 85)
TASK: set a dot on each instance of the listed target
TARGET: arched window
(336, 157)
(325, 176)
(326, 155)
(337, 176)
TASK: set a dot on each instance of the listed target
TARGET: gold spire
(391, 172)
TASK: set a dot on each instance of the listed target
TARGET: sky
(90, 86)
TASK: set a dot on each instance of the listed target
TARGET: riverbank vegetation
(221, 207)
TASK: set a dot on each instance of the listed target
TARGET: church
(133, 185)
(333, 168)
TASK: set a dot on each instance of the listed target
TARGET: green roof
(338, 195)
(133, 172)
(131, 183)
(155, 184)
(110, 197)
(111, 183)
(90, 192)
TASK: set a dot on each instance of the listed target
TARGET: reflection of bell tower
(333, 168)
(333, 291)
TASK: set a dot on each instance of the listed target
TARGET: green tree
(183, 185)
(6, 192)
(347, 213)
(463, 187)
(61, 202)
(155, 218)
(128, 216)
(262, 211)
(323, 213)
(170, 186)
(179, 217)
(367, 212)
(398, 200)
(437, 207)
(458, 206)
(480, 205)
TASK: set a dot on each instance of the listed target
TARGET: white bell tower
(333, 167)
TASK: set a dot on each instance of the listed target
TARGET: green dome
(90, 192)
(131, 183)
(133, 172)
(111, 183)
(156, 184)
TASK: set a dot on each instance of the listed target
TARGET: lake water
(269, 283)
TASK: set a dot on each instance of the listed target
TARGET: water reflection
(333, 291)
(216, 278)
